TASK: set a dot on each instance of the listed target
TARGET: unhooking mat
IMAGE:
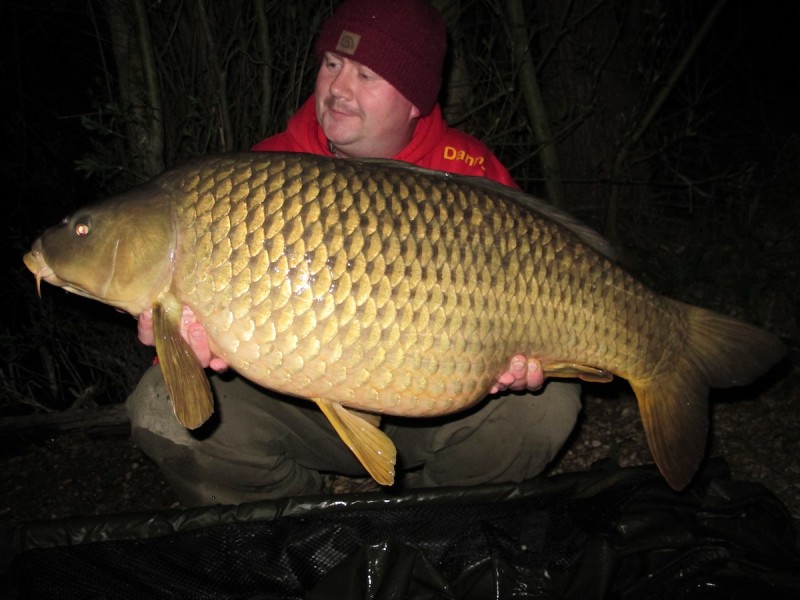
(606, 533)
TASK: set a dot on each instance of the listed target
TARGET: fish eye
(82, 226)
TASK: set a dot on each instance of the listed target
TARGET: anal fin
(583, 372)
(372, 447)
(186, 380)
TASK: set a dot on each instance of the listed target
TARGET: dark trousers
(261, 445)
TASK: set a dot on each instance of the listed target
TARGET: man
(375, 96)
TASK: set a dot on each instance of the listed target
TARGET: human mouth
(341, 111)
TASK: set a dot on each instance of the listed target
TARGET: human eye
(368, 74)
(331, 62)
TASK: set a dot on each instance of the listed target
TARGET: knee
(552, 415)
(564, 399)
(507, 440)
(149, 408)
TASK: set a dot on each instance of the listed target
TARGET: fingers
(187, 320)
(503, 382)
(195, 335)
(535, 375)
(198, 341)
(523, 373)
(217, 364)
(144, 328)
(192, 331)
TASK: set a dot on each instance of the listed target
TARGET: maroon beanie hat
(403, 41)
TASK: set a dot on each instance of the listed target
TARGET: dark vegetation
(670, 126)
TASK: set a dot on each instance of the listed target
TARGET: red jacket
(434, 145)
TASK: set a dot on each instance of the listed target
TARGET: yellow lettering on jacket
(451, 153)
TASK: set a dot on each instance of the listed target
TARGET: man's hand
(523, 372)
(191, 331)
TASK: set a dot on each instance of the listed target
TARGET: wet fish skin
(389, 289)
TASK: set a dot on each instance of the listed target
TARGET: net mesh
(601, 534)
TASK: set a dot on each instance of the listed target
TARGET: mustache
(340, 107)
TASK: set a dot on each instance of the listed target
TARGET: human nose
(342, 84)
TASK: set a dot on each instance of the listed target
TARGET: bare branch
(537, 112)
(219, 76)
(621, 160)
(266, 67)
(154, 141)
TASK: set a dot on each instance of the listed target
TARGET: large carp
(374, 287)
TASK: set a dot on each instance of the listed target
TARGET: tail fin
(720, 352)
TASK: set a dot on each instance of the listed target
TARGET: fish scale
(365, 236)
(384, 288)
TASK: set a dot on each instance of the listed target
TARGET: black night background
(706, 208)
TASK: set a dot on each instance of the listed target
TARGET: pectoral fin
(186, 380)
(370, 445)
(583, 372)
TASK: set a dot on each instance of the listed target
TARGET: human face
(361, 113)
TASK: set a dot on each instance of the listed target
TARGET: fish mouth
(37, 265)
